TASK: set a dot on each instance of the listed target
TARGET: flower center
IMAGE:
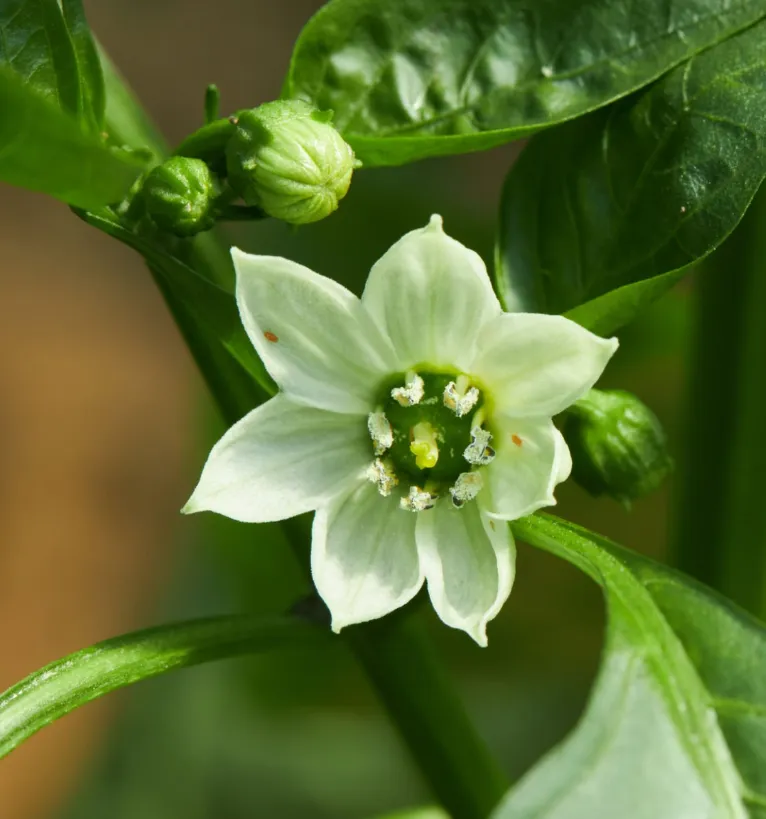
(427, 435)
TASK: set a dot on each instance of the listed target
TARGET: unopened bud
(287, 159)
(618, 446)
(180, 196)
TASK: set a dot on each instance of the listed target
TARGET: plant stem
(410, 680)
(743, 553)
(407, 674)
(395, 652)
(721, 537)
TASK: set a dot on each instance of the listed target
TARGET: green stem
(61, 687)
(743, 553)
(411, 682)
(402, 665)
(721, 534)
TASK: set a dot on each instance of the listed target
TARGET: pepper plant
(426, 423)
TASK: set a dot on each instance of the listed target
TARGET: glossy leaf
(46, 150)
(92, 89)
(54, 691)
(36, 46)
(676, 724)
(409, 79)
(638, 191)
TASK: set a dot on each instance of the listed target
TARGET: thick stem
(407, 674)
(401, 663)
(410, 680)
(721, 536)
(743, 553)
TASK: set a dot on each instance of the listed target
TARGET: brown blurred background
(100, 406)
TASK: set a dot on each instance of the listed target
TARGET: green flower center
(428, 437)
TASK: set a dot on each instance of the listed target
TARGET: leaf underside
(676, 725)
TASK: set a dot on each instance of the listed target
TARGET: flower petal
(529, 462)
(363, 556)
(280, 460)
(536, 365)
(469, 562)
(313, 335)
(563, 458)
(430, 295)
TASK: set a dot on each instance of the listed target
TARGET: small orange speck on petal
(516, 440)
(270, 337)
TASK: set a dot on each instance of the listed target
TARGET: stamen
(423, 445)
(411, 393)
(460, 397)
(380, 431)
(479, 452)
(466, 488)
(418, 500)
(382, 474)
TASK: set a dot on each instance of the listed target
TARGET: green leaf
(409, 79)
(676, 724)
(54, 691)
(631, 196)
(44, 149)
(92, 88)
(417, 813)
(36, 46)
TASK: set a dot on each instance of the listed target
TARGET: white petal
(469, 562)
(280, 460)
(527, 466)
(363, 556)
(563, 459)
(430, 295)
(536, 365)
(313, 335)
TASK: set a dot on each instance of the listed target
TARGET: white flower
(415, 421)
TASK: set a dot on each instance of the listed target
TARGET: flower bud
(287, 159)
(618, 446)
(180, 196)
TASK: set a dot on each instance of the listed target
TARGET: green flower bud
(180, 196)
(618, 446)
(287, 159)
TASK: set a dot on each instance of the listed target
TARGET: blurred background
(104, 425)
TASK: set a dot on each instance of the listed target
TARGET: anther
(460, 397)
(411, 393)
(423, 445)
(466, 488)
(478, 452)
(418, 500)
(380, 431)
(383, 475)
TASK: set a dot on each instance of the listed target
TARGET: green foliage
(92, 86)
(60, 687)
(675, 726)
(409, 79)
(630, 196)
(52, 99)
(43, 149)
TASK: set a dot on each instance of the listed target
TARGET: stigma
(424, 446)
